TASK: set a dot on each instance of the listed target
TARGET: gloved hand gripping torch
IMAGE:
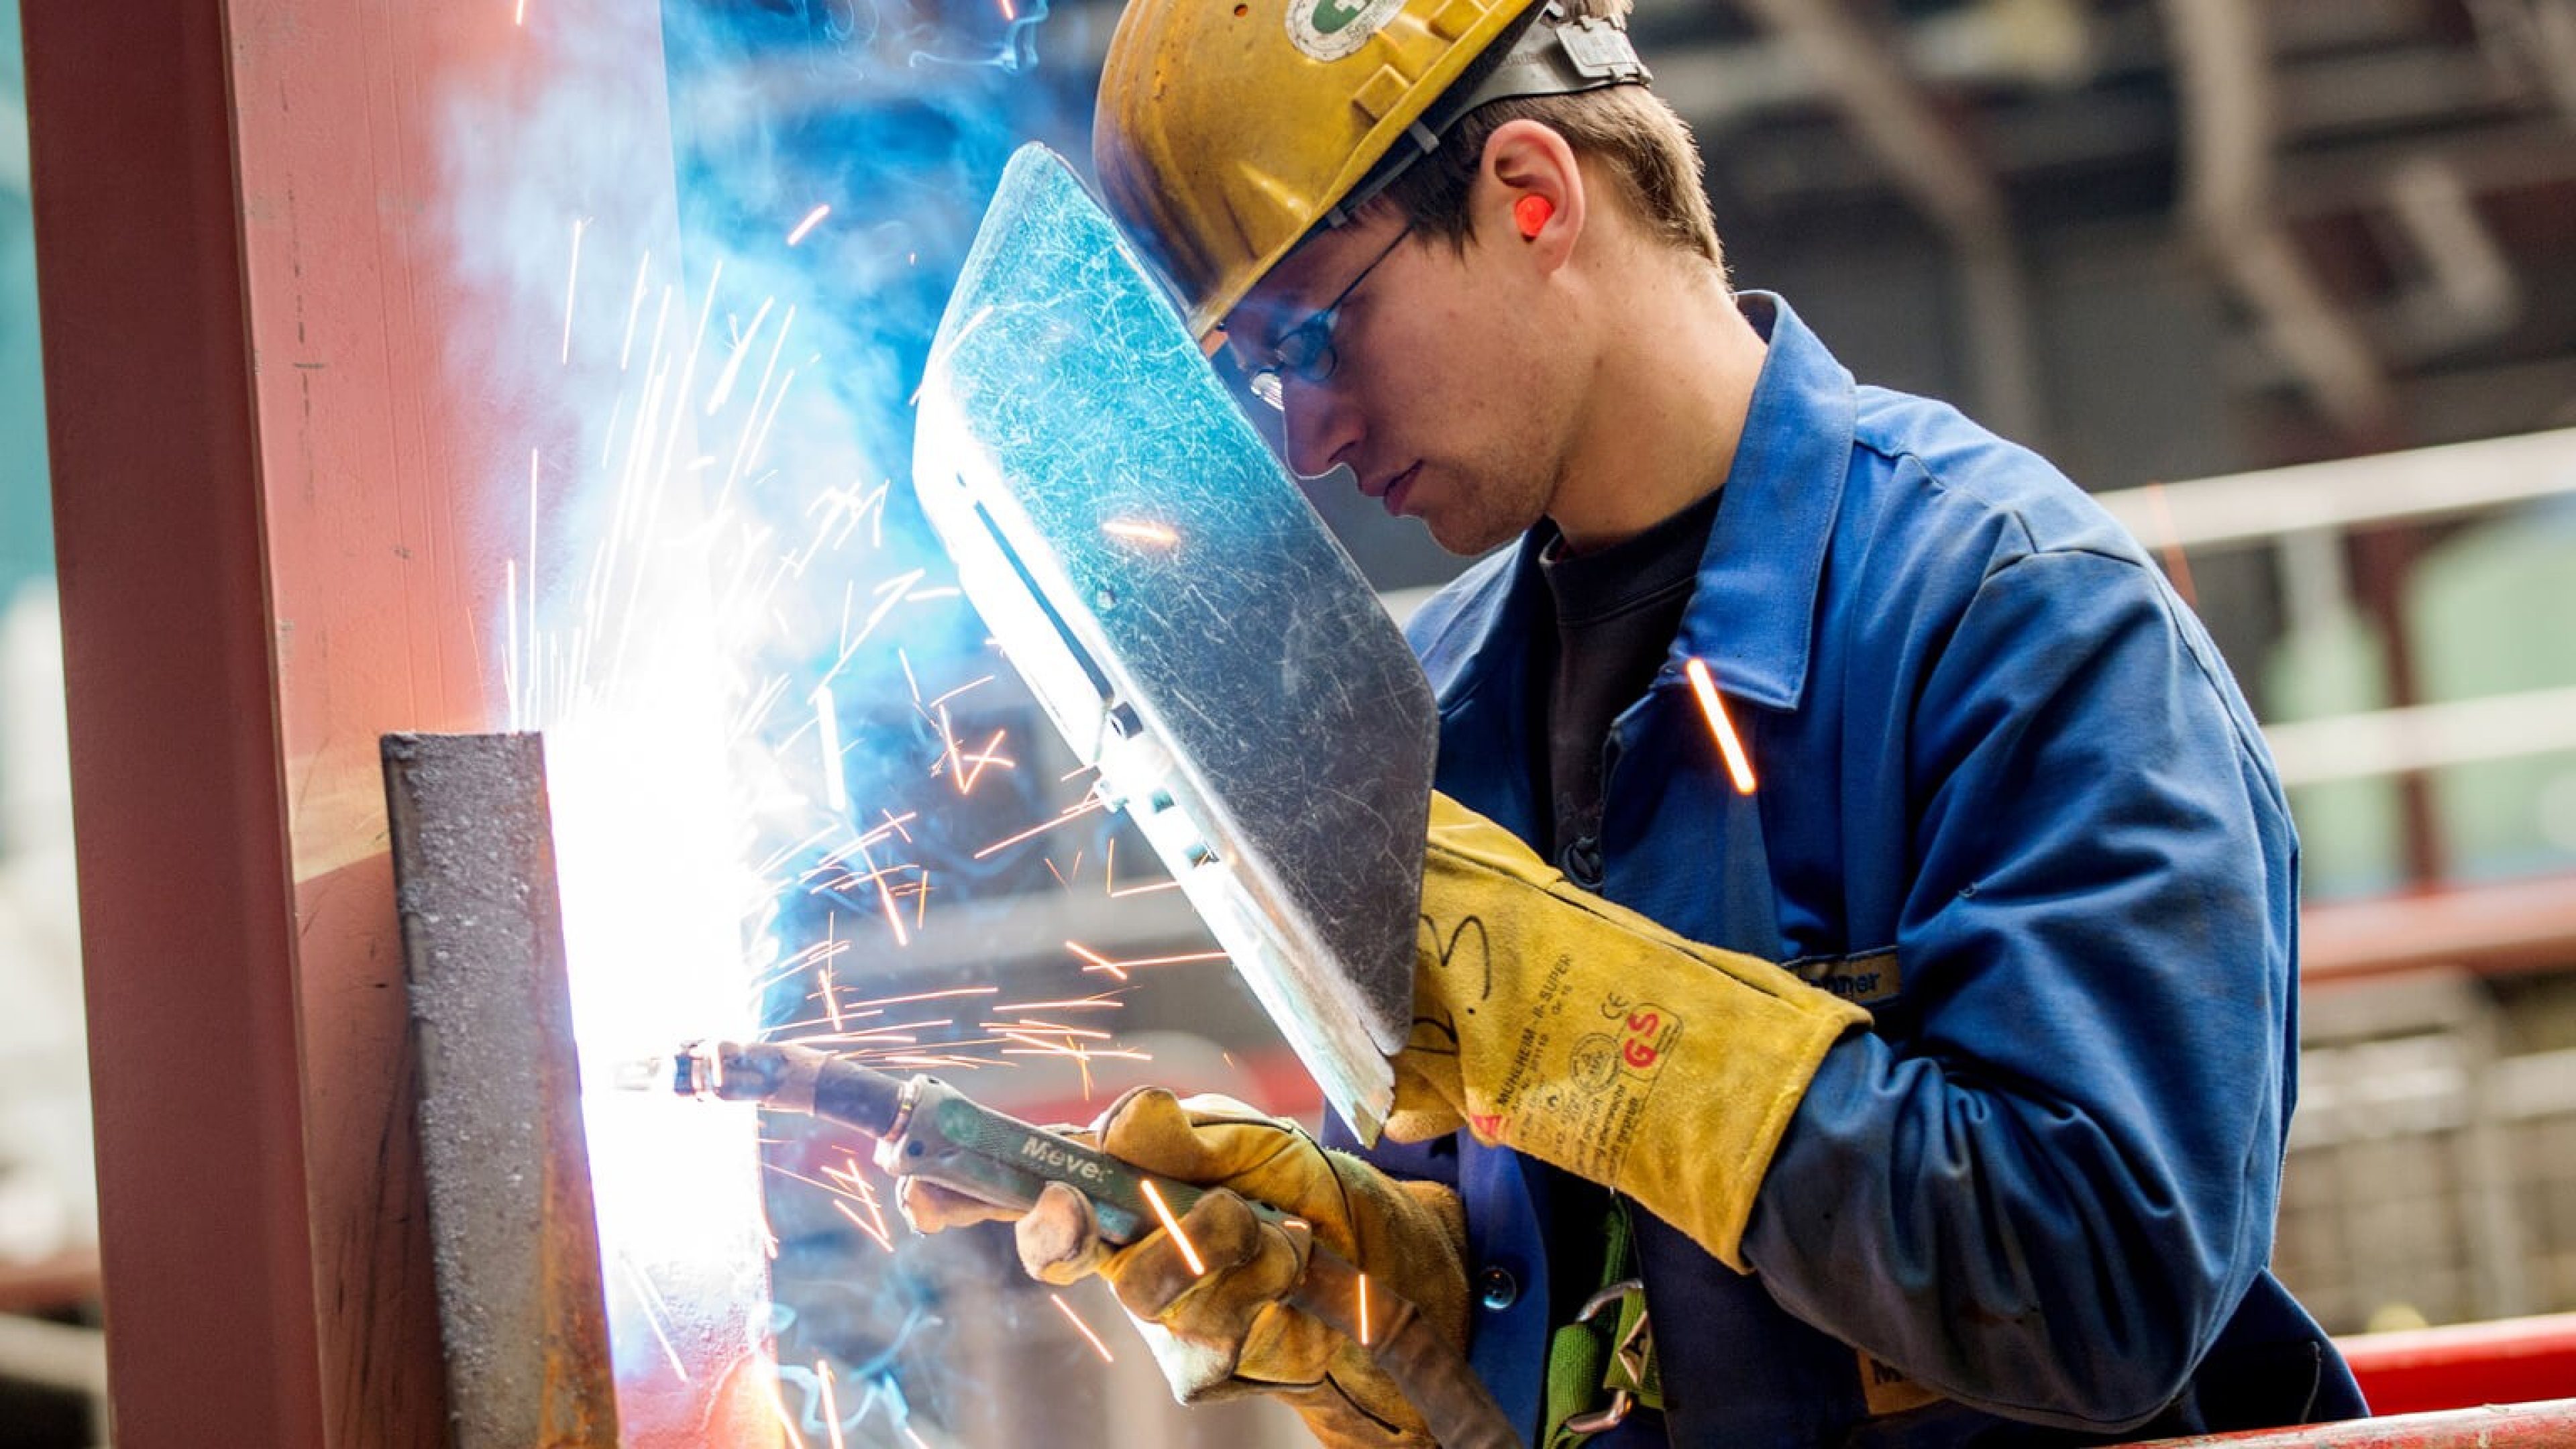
(927, 1129)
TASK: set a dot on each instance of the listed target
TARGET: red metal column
(2459, 1364)
(178, 800)
(382, 494)
(286, 490)
(2550, 1425)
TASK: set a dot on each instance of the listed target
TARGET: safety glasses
(1305, 351)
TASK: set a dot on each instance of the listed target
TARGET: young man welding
(1929, 1088)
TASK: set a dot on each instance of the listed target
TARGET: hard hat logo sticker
(1333, 29)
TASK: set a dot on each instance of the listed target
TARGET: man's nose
(1320, 427)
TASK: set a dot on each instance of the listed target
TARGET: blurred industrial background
(2292, 284)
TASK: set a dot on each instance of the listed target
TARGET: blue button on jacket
(2010, 799)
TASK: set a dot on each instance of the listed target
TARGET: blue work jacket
(2011, 801)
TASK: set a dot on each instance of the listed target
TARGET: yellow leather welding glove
(1224, 1332)
(1560, 1024)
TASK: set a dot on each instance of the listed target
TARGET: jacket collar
(1752, 614)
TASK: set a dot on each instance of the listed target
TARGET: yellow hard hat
(1227, 130)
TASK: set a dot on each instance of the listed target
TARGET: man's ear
(1529, 175)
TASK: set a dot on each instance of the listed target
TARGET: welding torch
(927, 1129)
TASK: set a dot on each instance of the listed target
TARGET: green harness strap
(1601, 1352)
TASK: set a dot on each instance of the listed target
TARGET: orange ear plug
(1532, 212)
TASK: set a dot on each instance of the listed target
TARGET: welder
(1920, 1077)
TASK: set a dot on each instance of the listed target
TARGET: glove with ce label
(1568, 1027)
(1224, 1332)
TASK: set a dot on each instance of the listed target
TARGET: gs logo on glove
(1642, 1037)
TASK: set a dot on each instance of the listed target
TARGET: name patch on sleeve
(1863, 980)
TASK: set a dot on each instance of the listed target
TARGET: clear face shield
(1190, 627)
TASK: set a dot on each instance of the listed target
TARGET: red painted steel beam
(2506, 926)
(2504, 1361)
(286, 484)
(178, 795)
(2550, 1425)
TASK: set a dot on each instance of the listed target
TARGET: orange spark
(881, 1036)
(732, 368)
(910, 1059)
(2176, 565)
(1172, 1225)
(1078, 1055)
(929, 996)
(1071, 1003)
(831, 997)
(1026, 1025)
(1153, 533)
(850, 879)
(1042, 1045)
(1109, 878)
(1737, 766)
(985, 756)
(1098, 962)
(1070, 812)
(836, 1191)
(786, 1421)
(1082, 1328)
(948, 747)
(572, 284)
(1039, 1046)
(886, 898)
(831, 988)
(812, 220)
(891, 594)
(876, 1232)
(1364, 1318)
(655, 1309)
(952, 694)
(831, 1405)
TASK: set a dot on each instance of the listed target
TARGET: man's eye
(1299, 349)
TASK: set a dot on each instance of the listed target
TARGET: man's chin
(1468, 538)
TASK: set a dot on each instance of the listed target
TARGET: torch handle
(927, 1129)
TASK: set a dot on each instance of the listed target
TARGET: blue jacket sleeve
(2045, 1184)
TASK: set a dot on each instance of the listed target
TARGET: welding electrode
(927, 1129)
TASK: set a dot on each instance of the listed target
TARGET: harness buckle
(1630, 1351)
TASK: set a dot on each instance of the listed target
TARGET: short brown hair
(1627, 128)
